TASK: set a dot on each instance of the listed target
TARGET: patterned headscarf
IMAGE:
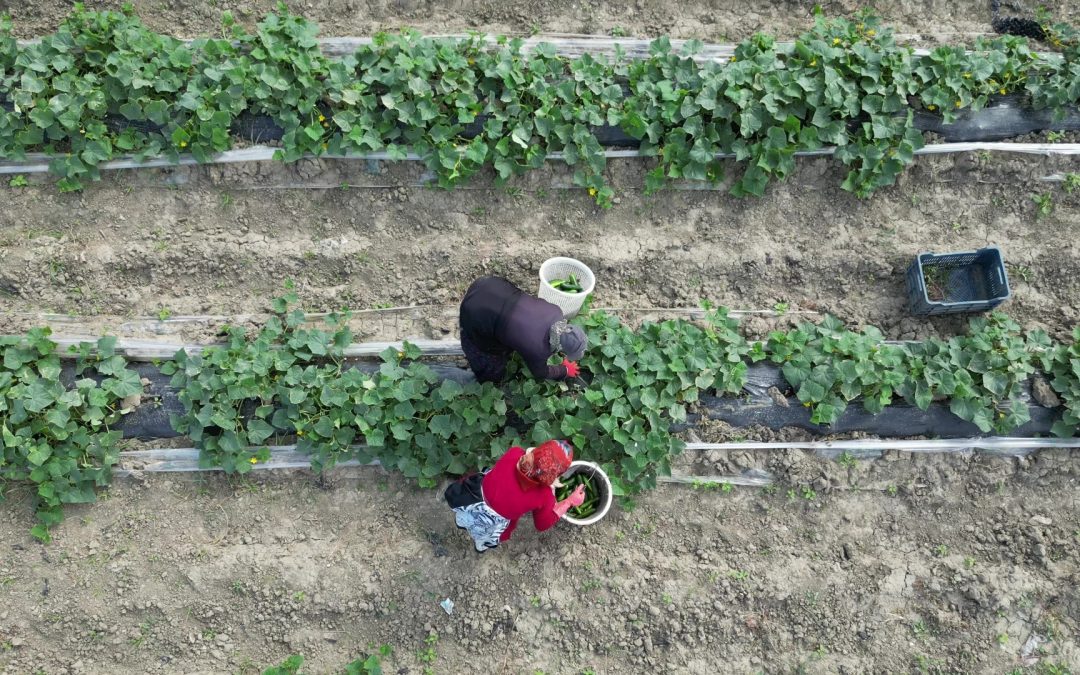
(549, 460)
(568, 339)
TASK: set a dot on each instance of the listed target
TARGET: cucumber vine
(104, 85)
(289, 382)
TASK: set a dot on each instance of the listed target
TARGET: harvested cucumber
(568, 285)
(592, 498)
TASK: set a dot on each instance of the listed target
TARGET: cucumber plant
(104, 85)
(1061, 363)
(289, 380)
(980, 374)
(55, 426)
(829, 366)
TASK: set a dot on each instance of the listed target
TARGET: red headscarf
(549, 460)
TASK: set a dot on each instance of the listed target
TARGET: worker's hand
(577, 497)
(572, 369)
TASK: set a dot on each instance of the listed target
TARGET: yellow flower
(592, 192)
(322, 118)
(183, 144)
(254, 460)
(472, 61)
(959, 103)
(967, 76)
(401, 355)
(1002, 90)
(836, 41)
(814, 62)
(871, 32)
(931, 107)
(733, 59)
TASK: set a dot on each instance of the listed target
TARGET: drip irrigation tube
(175, 460)
(39, 162)
(572, 45)
(873, 447)
(444, 310)
(172, 460)
(150, 350)
(66, 328)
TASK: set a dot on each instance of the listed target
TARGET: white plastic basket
(603, 485)
(561, 268)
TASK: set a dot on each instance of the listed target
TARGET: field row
(104, 86)
(292, 381)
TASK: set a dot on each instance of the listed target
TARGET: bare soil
(222, 239)
(931, 21)
(906, 564)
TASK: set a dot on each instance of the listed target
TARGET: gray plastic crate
(972, 281)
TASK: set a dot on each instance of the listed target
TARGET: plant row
(291, 382)
(104, 85)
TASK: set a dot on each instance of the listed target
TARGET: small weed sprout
(1044, 204)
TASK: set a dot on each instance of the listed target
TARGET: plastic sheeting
(756, 407)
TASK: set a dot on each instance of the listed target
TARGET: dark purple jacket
(499, 317)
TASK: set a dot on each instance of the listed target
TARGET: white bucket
(561, 268)
(603, 485)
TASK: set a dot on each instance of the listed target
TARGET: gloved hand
(572, 369)
(576, 498)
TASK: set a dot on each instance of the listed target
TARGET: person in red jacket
(488, 505)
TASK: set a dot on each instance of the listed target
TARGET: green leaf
(258, 431)
(39, 454)
(41, 533)
(125, 383)
(443, 425)
(39, 395)
(923, 396)
(811, 391)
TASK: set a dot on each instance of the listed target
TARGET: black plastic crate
(972, 281)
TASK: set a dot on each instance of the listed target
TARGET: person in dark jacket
(498, 318)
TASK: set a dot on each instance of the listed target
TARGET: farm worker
(488, 505)
(498, 318)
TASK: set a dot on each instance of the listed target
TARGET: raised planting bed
(62, 420)
(463, 105)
